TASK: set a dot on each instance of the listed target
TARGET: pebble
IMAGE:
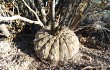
(4, 47)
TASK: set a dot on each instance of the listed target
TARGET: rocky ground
(94, 54)
(20, 56)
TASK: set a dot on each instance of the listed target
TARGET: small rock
(4, 30)
(4, 47)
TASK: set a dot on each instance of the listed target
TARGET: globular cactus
(56, 44)
(59, 47)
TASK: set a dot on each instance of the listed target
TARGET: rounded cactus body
(59, 47)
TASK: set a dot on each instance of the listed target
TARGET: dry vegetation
(20, 20)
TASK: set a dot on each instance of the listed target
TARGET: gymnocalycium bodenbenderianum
(56, 40)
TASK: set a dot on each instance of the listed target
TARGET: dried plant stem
(21, 18)
(42, 11)
(53, 15)
(31, 10)
(4, 29)
(79, 15)
(43, 15)
(38, 20)
(76, 21)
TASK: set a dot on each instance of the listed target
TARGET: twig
(42, 11)
(80, 10)
(53, 15)
(38, 20)
(95, 67)
(31, 10)
(43, 15)
(21, 18)
(53, 10)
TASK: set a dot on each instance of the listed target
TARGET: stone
(4, 47)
